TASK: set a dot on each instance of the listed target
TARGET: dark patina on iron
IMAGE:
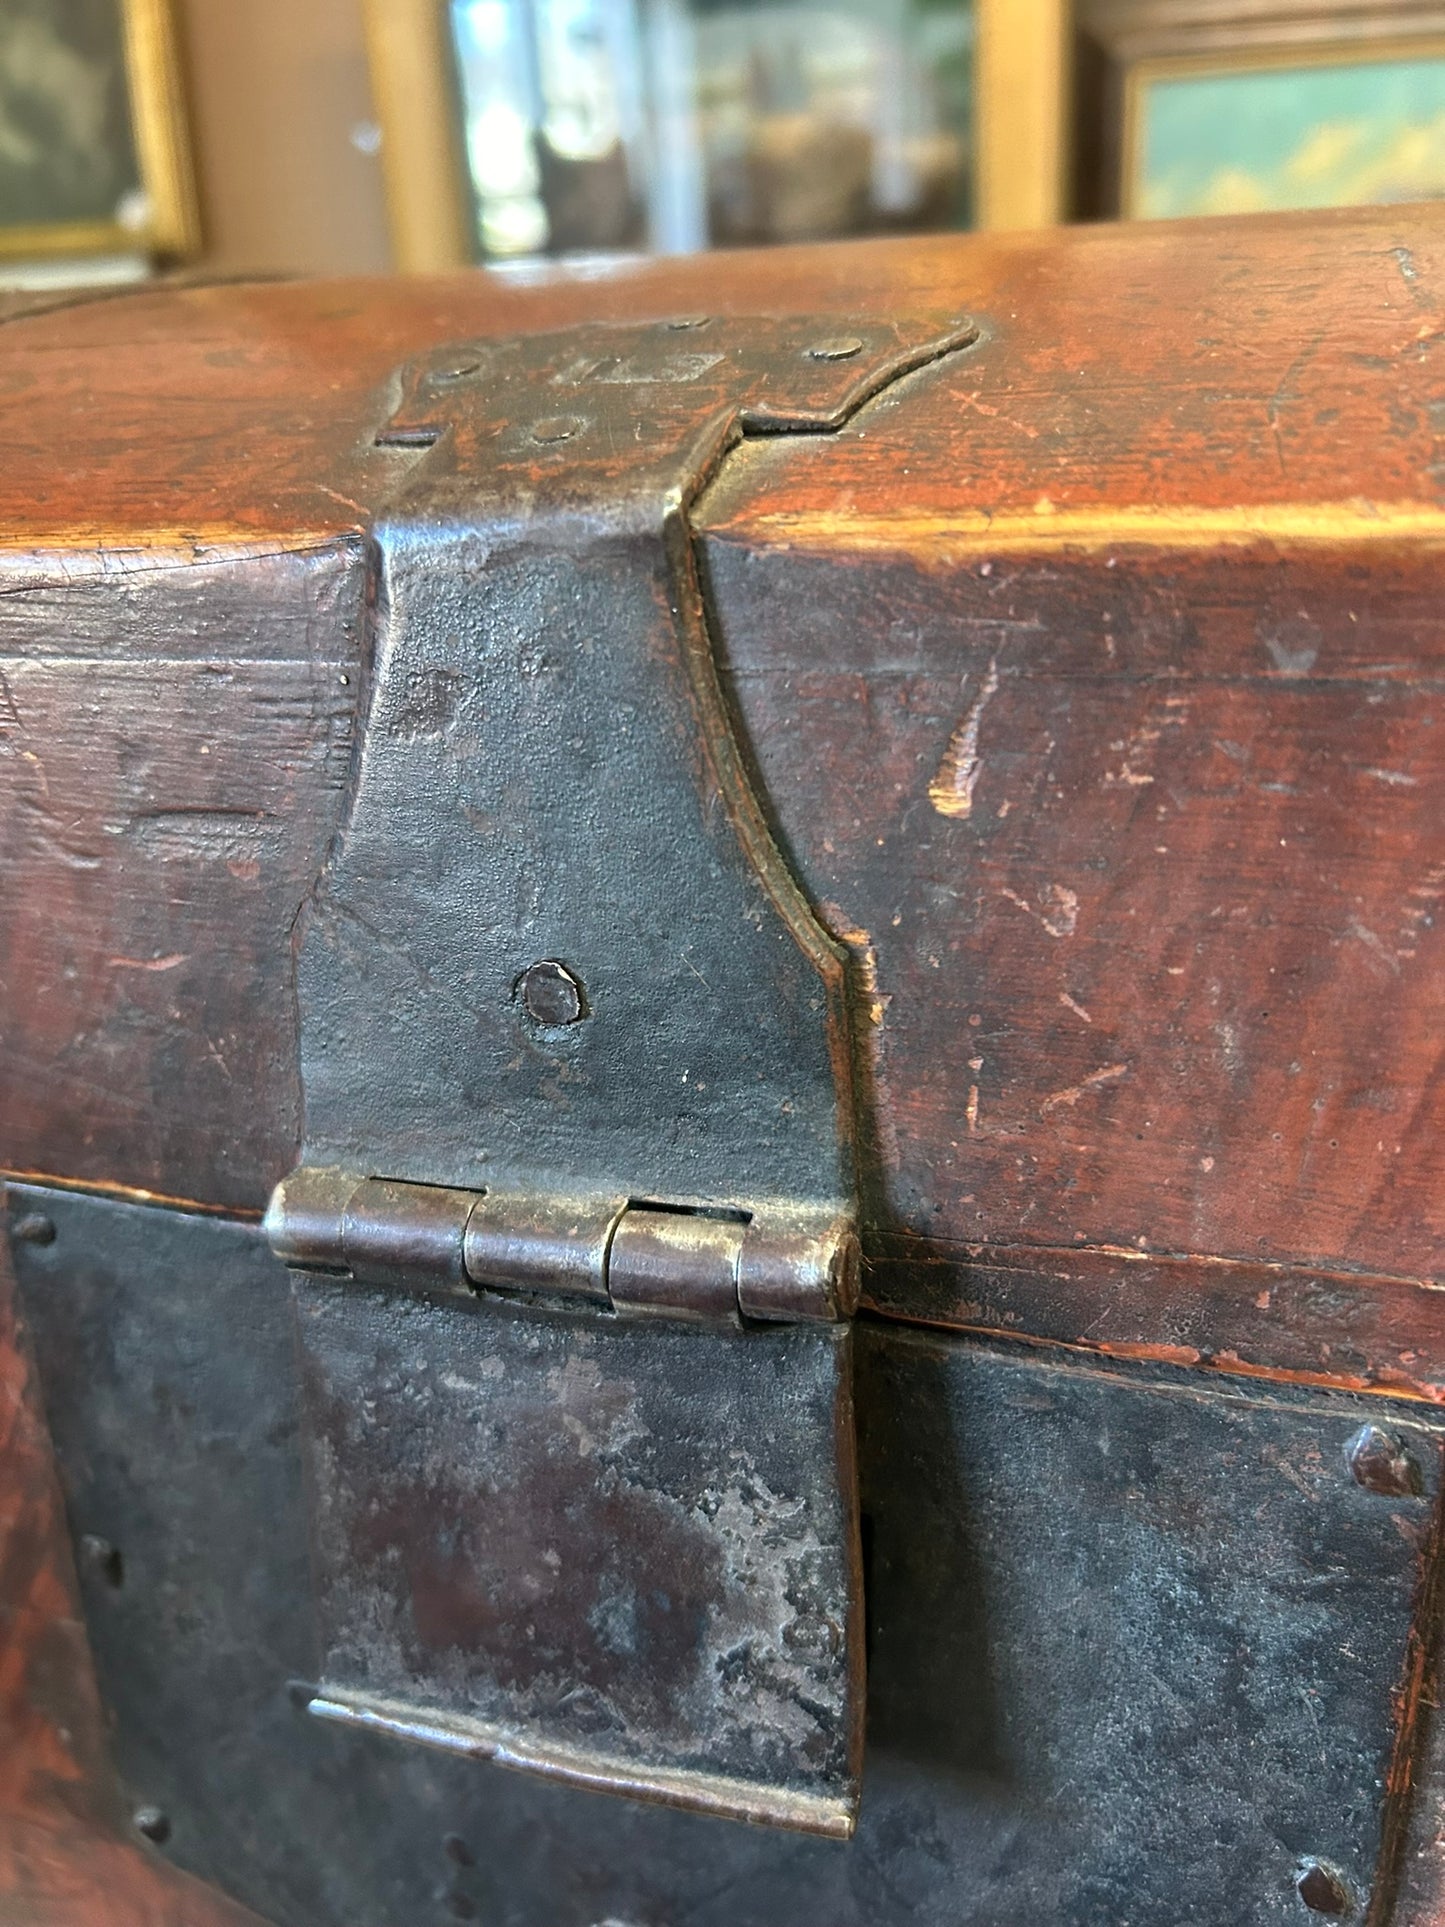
(572, 1535)
(1096, 1597)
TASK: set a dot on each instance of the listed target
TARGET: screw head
(551, 995)
(556, 428)
(1322, 1890)
(35, 1228)
(1381, 1464)
(836, 348)
(153, 1824)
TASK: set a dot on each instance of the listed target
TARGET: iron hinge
(779, 1265)
(575, 1048)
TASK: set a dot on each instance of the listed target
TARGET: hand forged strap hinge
(575, 1049)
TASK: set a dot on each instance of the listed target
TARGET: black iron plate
(609, 1550)
(1135, 1641)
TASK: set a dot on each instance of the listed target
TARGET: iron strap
(570, 1033)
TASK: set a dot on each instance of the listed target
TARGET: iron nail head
(551, 994)
(102, 1558)
(556, 428)
(153, 1824)
(35, 1228)
(836, 348)
(1322, 1890)
(1381, 1464)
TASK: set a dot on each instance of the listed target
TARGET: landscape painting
(1203, 136)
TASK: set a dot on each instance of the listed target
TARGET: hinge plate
(612, 1550)
(556, 963)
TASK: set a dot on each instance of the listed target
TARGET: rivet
(1381, 1464)
(457, 371)
(35, 1228)
(556, 428)
(836, 348)
(1322, 1890)
(154, 1824)
(551, 995)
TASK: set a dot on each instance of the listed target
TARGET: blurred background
(335, 136)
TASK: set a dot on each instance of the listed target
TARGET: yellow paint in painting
(1326, 149)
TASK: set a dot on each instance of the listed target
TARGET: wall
(280, 110)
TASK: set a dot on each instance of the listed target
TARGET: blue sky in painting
(1310, 136)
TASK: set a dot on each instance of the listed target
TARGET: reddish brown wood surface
(176, 748)
(1092, 676)
(65, 1860)
(1094, 680)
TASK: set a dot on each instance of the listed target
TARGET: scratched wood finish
(1091, 677)
(1094, 681)
(178, 733)
(1180, 905)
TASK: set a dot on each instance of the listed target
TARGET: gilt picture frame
(1345, 123)
(1021, 78)
(94, 156)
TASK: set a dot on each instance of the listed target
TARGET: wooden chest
(721, 1021)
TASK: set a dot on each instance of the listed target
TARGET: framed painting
(517, 129)
(93, 154)
(1298, 127)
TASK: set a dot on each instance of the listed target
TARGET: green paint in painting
(1306, 136)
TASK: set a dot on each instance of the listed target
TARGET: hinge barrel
(781, 1265)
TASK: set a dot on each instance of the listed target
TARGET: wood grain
(1094, 681)
(175, 736)
(1092, 677)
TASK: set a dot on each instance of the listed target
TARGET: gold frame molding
(1354, 51)
(158, 124)
(1022, 81)
(1023, 72)
(423, 166)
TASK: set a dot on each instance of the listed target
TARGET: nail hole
(461, 1906)
(457, 1851)
(1381, 1464)
(551, 994)
(1322, 1890)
